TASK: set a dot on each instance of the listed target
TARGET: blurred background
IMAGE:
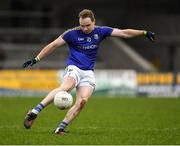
(28, 25)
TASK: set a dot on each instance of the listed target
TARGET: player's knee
(84, 100)
(82, 103)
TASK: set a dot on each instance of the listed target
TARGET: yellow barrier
(49, 79)
(155, 78)
(29, 79)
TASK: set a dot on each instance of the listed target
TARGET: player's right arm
(50, 47)
(45, 51)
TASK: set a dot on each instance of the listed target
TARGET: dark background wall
(64, 12)
(38, 21)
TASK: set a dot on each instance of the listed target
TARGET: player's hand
(31, 62)
(150, 35)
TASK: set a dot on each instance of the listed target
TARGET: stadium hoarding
(158, 84)
(27, 82)
(108, 82)
(116, 82)
(157, 91)
(131, 83)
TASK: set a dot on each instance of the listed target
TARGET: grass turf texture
(103, 121)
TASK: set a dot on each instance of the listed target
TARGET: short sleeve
(66, 36)
(106, 31)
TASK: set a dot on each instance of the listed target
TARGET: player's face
(86, 24)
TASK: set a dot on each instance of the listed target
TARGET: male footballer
(83, 42)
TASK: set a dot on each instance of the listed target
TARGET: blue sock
(38, 108)
(63, 125)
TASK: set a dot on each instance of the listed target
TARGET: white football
(63, 100)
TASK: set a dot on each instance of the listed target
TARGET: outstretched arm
(45, 51)
(130, 33)
(50, 47)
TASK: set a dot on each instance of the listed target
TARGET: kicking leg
(67, 85)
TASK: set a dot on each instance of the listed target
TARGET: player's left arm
(130, 33)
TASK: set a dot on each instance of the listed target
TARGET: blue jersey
(84, 47)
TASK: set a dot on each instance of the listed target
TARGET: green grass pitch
(103, 121)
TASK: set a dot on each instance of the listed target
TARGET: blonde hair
(86, 13)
